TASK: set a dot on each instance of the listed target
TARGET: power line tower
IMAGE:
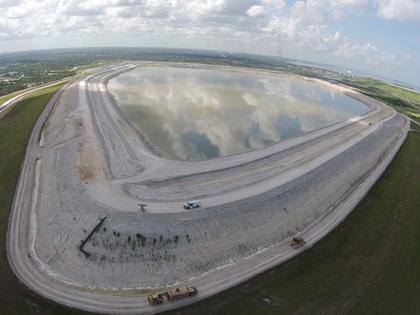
(279, 54)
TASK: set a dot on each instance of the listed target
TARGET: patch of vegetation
(15, 129)
(403, 100)
(415, 127)
(5, 98)
(85, 171)
(22, 70)
(15, 76)
(370, 264)
(26, 69)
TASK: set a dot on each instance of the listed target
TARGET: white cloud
(305, 24)
(408, 57)
(20, 11)
(255, 10)
(319, 10)
(9, 3)
(368, 52)
(10, 29)
(404, 10)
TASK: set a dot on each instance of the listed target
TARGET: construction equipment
(156, 298)
(297, 242)
(181, 292)
(173, 294)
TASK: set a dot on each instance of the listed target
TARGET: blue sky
(376, 36)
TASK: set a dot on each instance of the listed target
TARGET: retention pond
(200, 113)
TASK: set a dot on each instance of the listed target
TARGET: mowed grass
(7, 97)
(388, 89)
(15, 129)
(415, 127)
(370, 264)
(403, 100)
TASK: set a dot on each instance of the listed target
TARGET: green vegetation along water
(199, 113)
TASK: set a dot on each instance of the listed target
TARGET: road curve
(319, 147)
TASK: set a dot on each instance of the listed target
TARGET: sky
(376, 36)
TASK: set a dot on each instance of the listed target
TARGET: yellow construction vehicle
(297, 242)
(173, 294)
(156, 298)
(181, 292)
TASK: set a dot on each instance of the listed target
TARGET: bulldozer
(297, 242)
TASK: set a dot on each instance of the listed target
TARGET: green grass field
(403, 100)
(15, 129)
(369, 265)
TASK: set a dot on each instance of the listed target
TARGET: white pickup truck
(192, 204)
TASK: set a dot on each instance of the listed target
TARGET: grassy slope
(369, 265)
(4, 98)
(415, 127)
(7, 97)
(15, 129)
(403, 100)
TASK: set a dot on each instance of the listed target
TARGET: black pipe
(90, 235)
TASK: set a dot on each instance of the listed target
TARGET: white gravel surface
(92, 162)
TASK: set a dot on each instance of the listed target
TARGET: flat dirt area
(79, 236)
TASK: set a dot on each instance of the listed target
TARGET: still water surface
(193, 114)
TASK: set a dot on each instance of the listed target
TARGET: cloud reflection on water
(192, 114)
